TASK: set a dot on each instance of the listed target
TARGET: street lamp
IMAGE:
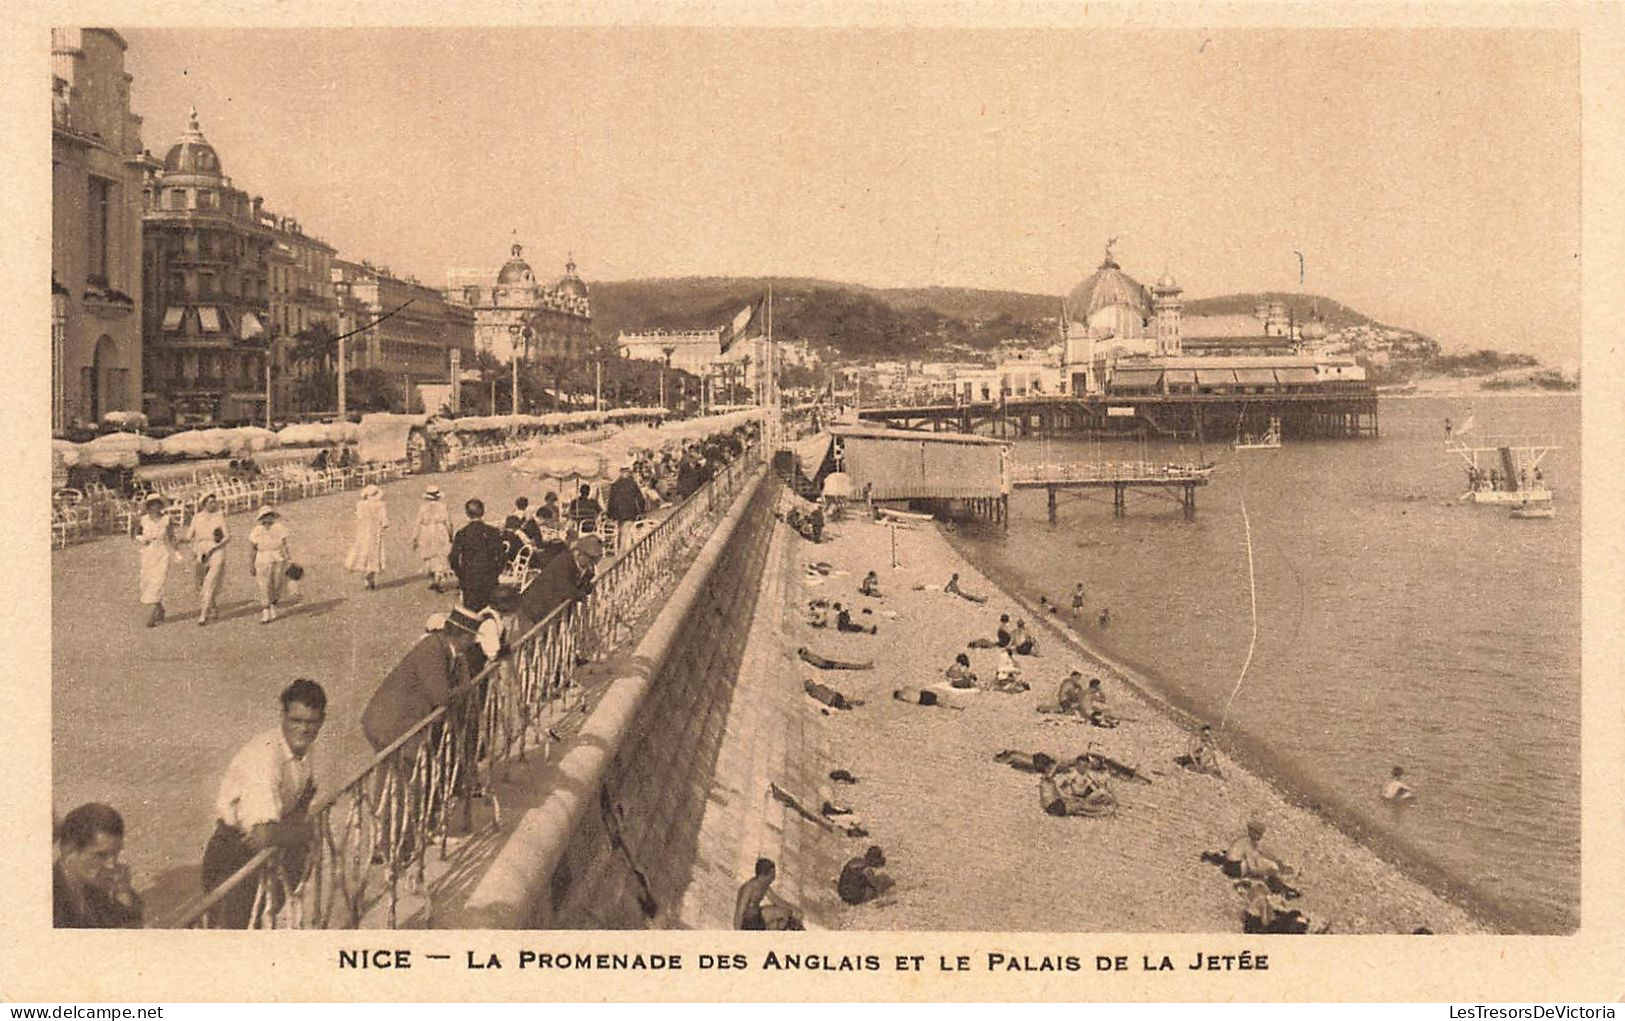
(668, 352)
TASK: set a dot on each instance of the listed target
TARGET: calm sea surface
(1396, 626)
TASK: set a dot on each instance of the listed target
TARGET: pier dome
(1105, 287)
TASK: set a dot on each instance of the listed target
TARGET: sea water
(1396, 626)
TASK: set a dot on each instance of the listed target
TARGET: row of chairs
(82, 514)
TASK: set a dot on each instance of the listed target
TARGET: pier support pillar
(1051, 504)
(1119, 507)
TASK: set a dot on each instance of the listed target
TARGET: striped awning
(1216, 377)
(1296, 374)
(1137, 379)
(1180, 377)
(1255, 377)
(172, 318)
(209, 319)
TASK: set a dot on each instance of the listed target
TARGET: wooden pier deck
(1178, 482)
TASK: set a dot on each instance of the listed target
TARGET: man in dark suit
(626, 502)
(476, 557)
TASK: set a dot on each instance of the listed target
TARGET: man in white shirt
(263, 798)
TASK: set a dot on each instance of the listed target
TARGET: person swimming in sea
(1398, 792)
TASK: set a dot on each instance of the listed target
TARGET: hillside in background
(850, 321)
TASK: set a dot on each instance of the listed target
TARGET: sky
(1430, 177)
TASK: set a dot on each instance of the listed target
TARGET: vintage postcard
(892, 502)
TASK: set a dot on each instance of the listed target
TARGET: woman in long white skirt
(269, 542)
(432, 538)
(367, 552)
(209, 536)
(155, 534)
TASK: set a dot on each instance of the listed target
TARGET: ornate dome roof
(1106, 287)
(1166, 282)
(516, 271)
(192, 153)
(569, 283)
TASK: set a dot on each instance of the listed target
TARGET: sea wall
(612, 843)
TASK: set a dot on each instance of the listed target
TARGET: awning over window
(1295, 375)
(1138, 379)
(1255, 377)
(250, 327)
(209, 317)
(1180, 377)
(172, 318)
(1216, 377)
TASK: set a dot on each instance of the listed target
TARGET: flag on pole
(747, 324)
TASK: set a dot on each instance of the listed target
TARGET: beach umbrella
(561, 459)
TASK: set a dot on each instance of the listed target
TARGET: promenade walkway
(147, 720)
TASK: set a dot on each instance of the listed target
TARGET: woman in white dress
(432, 538)
(209, 536)
(155, 534)
(269, 542)
(367, 552)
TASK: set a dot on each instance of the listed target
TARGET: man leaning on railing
(262, 803)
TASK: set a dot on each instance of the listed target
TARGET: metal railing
(1106, 471)
(376, 831)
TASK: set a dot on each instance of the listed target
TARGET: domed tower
(192, 176)
(516, 284)
(1109, 301)
(570, 284)
(1166, 306)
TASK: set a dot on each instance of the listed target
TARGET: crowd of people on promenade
(507, 579)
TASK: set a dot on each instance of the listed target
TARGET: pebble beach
(966, 840)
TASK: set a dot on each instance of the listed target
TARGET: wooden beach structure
(938, 470)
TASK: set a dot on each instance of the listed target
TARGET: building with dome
(97, 168)
(558, 316)
(227, 285)
(1117, 333)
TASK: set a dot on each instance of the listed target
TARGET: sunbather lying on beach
(1076, 789)
(925, 696)
(953, 587)
(1039, 762)
(1246, 859)
(829, 696)
(824, 663)
(844, 622)
(1264, 912)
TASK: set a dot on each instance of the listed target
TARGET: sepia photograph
(1013, 480)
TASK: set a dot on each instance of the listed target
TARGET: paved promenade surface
(147, 719)
(967, 842)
